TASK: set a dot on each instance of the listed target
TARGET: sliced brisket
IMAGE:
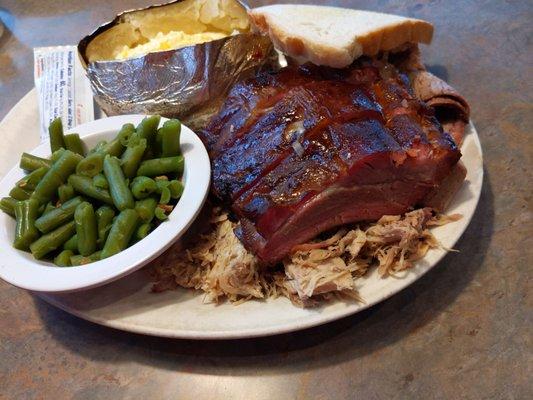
(450, 107)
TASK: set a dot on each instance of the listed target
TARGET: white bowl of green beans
(92, 205)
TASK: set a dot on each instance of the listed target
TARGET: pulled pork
(222, 268)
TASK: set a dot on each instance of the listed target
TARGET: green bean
(146, 208)
(161, 166)
(58, 216)
(65, 193)
(71, 244)
(91, 165)
(132, 157)
(113, 148)
(56, 176)
(147, 129)
(48, 207)
(84, 185)
(116, 146)
(169, 135)
(25, 231)
(25, 186)
(78, 260)
(72, 224)
(20, 194)
(120, 192)
(56, 155)
(104, 220)
(165, 196)
(63, 258)
(121, 233)
(142, 187)
(81, 260)
(162, 182)
(142, 231)
(96, 256)
(55, 130)
(30, 181)
(100, 181)
(74, 143)
(99, 146)
(160, 214)
(176, 189)
(7, 205)
(29, 162)
(52, 240)
(86, 229)
(125, 134)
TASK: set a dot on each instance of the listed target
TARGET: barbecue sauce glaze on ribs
(302, 150)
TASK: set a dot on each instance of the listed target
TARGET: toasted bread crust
(392, 37)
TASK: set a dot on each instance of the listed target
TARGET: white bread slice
(335, 36)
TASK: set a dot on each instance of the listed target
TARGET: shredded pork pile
(217, 263)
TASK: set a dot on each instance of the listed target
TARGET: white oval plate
(127, 304)
(21, 269)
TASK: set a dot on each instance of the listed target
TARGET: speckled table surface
(462, 331)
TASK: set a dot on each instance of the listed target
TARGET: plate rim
(282, 328)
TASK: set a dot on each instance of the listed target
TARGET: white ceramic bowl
(21, 269)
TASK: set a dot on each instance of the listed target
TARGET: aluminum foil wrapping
(188, 83)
